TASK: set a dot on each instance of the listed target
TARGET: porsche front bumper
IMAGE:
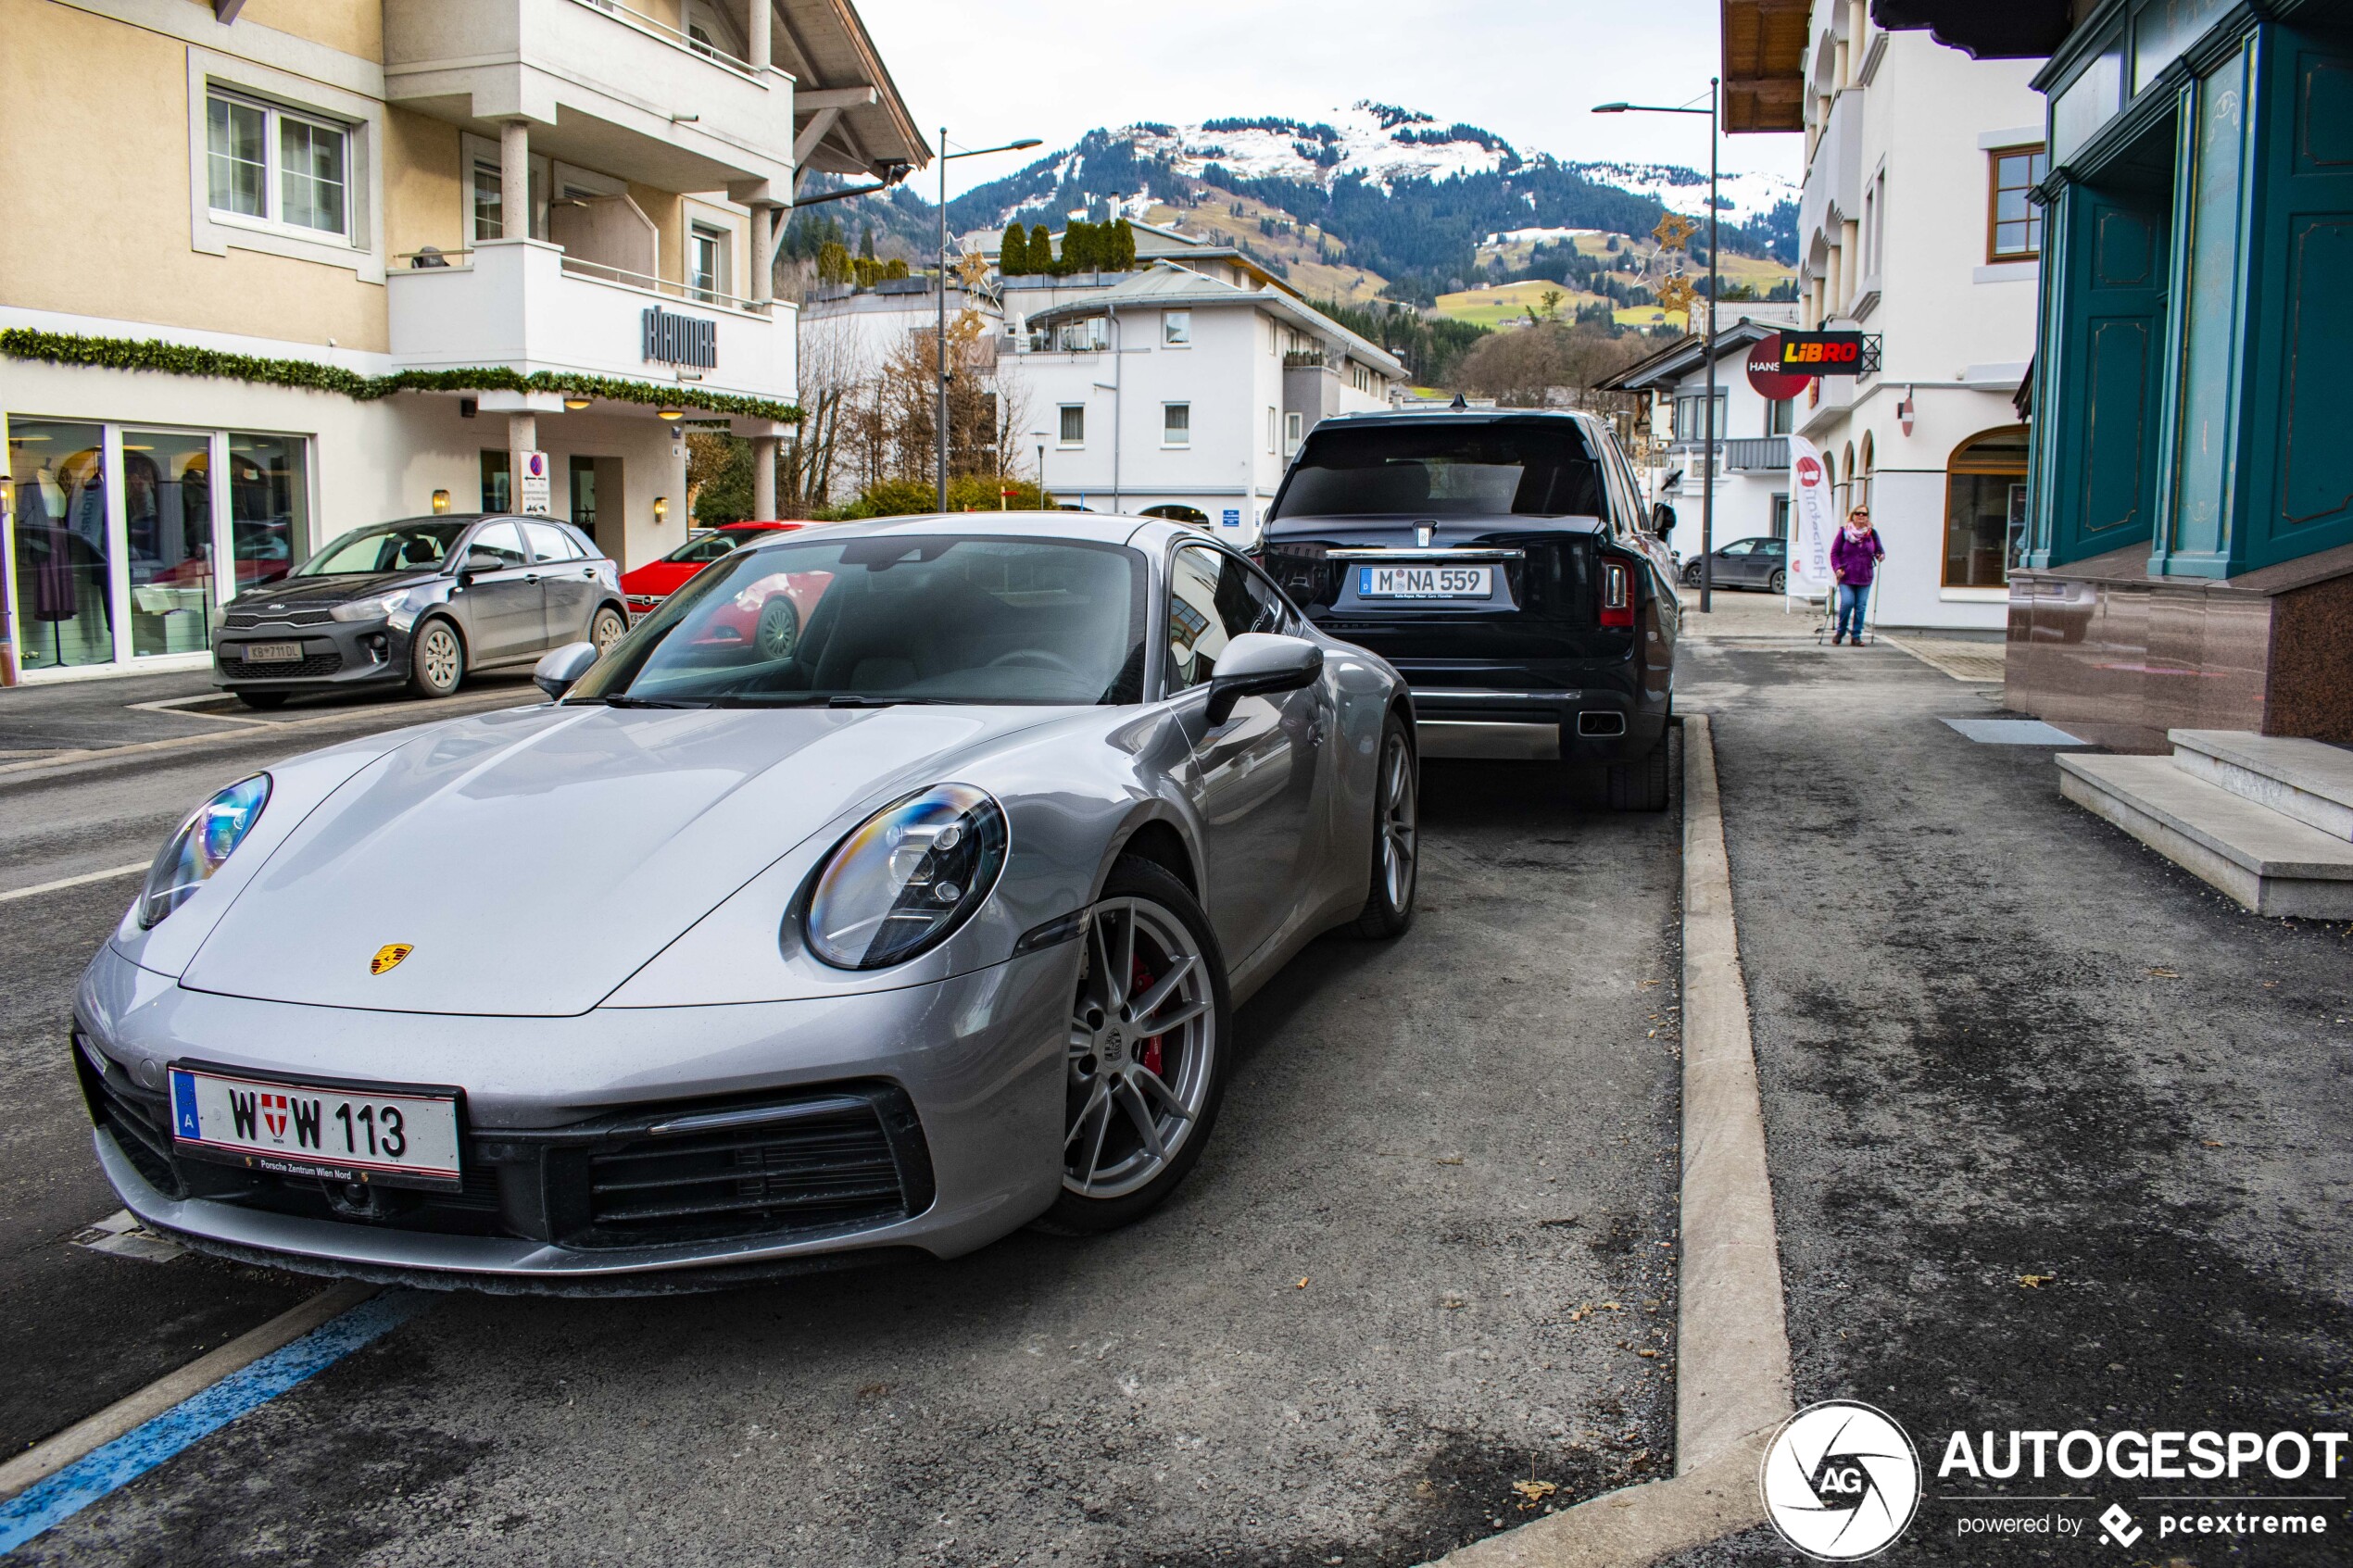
(939, 1124)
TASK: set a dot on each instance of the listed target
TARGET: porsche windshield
(1540, 469)
(900, 618)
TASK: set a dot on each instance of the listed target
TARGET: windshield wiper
(626, 701)
(814, 700)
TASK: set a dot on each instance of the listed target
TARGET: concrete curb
(1637, 1526)
(1731, 1335)
(1732, 1338)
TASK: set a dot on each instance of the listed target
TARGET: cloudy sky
(1529, 70)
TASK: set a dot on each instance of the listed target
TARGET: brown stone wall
(2311, 662)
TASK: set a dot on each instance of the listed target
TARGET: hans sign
(1765, 372)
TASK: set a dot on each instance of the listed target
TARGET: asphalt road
(1420, 1263)
(2060, 1137)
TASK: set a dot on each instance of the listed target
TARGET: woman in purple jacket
(1854, 559)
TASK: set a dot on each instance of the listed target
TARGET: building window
(277, 167)
(1293, 429)
(708, 252)
(1691, 416)
(1175, 424)
(1176, 328)
(1780, 517)
(1984, 507)
(2013, 224)
(1779, 413)
(497, 493)
(1081, 336)
(1074, 431)
(1271, 414)
(584, 496)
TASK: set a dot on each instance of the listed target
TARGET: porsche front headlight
(203, 842)
(909, 876)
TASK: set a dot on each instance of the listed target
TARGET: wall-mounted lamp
(575, 404)
(441, 500)
(674, 414)
(662, 508)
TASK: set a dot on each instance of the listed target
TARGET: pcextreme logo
(1841, 1481)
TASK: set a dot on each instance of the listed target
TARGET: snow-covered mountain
(1388, 145)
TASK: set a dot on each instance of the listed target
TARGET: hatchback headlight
(909, 876)
(203, 842)
(381, 606)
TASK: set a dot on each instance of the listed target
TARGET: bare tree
(1549, 364)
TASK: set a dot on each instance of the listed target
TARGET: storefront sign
(1765, 372)
(669, 338)
(1822, 354)
(536, 499)
(1231, 517)
(1810, 525)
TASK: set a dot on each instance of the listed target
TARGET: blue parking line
(58, 1498)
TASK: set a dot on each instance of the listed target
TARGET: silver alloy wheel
(439, 657)
(607, 630)
(778, 633)
(1143, 1044)
(1397, 864)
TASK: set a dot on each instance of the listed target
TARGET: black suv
(1501, 560)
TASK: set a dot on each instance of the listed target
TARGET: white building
(1751, 436)
(1914, 227)
(360, 259)
(1186, 389)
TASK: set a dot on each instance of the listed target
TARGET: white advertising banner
(1812, 529)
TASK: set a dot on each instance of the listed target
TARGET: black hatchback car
(1501, 560)
(418, 603)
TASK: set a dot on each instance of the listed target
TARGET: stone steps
(2304, 779)
(2273, 863)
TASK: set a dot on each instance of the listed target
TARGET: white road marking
(65, 882)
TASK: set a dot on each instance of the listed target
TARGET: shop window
(167, 517)
(2014, 224)
(1985, 503)
(269, 505)
(64, 555)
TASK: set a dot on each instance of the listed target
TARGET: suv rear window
(1439, 470)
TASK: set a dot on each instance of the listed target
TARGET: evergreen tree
(1123, 247)
(833, 263)
(866, 241)
(1042, 249)
(1012, 253)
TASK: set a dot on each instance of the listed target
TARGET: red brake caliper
(1139, 982)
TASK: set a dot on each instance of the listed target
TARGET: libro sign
(1822, 354)
(669, 338)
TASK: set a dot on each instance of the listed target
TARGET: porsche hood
(531, 860)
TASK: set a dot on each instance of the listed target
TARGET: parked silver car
(735, 957)
(417, 603)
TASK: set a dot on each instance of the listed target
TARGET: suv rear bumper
(1548, 726)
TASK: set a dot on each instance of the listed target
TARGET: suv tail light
(1617, 595)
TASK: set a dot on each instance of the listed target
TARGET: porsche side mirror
(1662, 519)
(558, 671)
(1257, 663)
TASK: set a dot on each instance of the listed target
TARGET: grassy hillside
(1299, 247)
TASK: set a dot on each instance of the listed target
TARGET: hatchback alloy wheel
(1143, 1044)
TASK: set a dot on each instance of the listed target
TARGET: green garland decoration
(153, 354)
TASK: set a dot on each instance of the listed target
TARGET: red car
(649, 584)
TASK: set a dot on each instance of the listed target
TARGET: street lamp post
(940, 341)
(1038, 436)
(1707, 452)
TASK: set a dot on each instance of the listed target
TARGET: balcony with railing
(531, 307)
(1755, 454)
(601, 83)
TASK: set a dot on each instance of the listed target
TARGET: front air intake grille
(136, 1118)
(239, 620)
(824, 1162)
(305, 669)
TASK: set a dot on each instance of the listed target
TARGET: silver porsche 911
(891, 887)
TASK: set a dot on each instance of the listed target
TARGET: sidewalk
(2058, 1136)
